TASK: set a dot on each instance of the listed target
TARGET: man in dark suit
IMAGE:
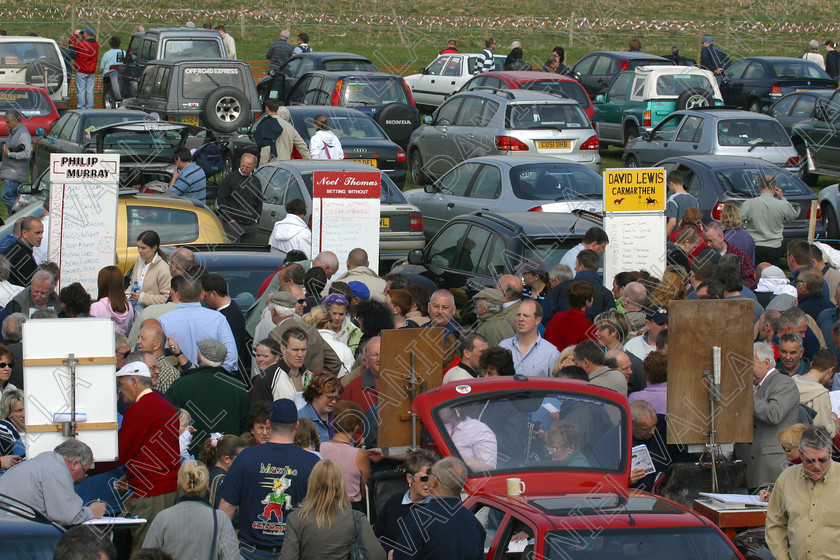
(775, 407)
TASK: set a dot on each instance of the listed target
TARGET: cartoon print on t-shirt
(275, 501)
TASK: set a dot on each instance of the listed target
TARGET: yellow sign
(634, 190)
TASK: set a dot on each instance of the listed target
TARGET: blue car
(25, 532)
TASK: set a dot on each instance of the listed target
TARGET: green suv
(639, 99)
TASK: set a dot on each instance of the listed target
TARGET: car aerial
(471, 251)
(504, 184)
(597, 70)
(71, 134)
(514, 122)
(818, 141)
(555, 84)
(39, 112)
(36, 61)
(362, 139)
(122, 81)
(755, 82)
(798, 106)
(216, 94)
(579, 511)
(26, 532)
(444, 76)
(718, 180)
(383, 97)
(639, 99)
(401, 224)
(722, 132)
(292, 70)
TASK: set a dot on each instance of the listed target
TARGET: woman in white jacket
(324, 144)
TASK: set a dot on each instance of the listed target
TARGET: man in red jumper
(149, 449)
(87, 51)
(570, 327)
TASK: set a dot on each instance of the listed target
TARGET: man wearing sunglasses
(801, 516)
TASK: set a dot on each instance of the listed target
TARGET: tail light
(793, 162)
(819, 212)
(415, 221)
(408, 93)
(718, 210)
(625, 65)
(113, 67)
(510, 144)
(400, 155)
(776, 91)
(336, 97)
(591, 144)
(257, 116)
(170, 118)
(535, 209)
(646, 118)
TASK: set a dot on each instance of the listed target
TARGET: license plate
(384, 222)
(367, 161)
(190, 120)
(553, 144)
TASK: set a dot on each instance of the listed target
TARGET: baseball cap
(283, 411)
(707, 39)
(359, 290)
(535, 265)
(658, 314)
(212, 349)
(491, 295)
(89, 31)
(135, 369)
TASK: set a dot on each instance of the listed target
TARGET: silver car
(496, 122)
(505, 184)
(714, 131)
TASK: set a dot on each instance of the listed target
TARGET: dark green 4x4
(639, 99)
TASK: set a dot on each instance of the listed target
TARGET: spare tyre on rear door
(226, 109)
(693, 98)
(398, 120)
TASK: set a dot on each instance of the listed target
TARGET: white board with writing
(637, 242)
(83, 215)
(345, 214)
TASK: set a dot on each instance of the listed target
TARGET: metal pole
(70, 427)
(413, 415)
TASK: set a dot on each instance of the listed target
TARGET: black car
(798, 106)
(818, 141)
(362, 139)
(25, 532)
(717, 180)
(71, 134)
(471, 251)
(302, 63)
(597, 70)
(755, 82)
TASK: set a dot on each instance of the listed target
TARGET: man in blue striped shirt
(189, 179)
(485, 62)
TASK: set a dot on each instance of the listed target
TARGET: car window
(391, 193)
(585, 65)
(300, 89)
(692, 181)
(171, 224)
(161, 81)
(445, 115)
(289, 68)
(498, 259)
(638, 92)
(804, 107)
(353, 65)
(783, 106)
(307, 65)
(559, 116)
(474, 252)
(618, 89)
(490, 81)
(199, 81)
(453, 67)
(797, 69)
(572, 90)
(149, 50)
(436, 67)
(744, 181)
(736, 71)
(133, 47)
(488, 183)
(313, 93)
(491, 519)
(673, 85)
(363, 92)
(604, 65)
(98, 120)
(476, 82)
(490, 108)
(555, 181)
(443, 251)
(667, 128)
(691, 130)
(343, 126)
(55, 131)
(22, 53)
(67, 131)
(274, 186)
(516, 534)
(191, 48)
(456, 181)
(31, 103)
(470, 113)
(147, 81)
(751, 132)
(755, 71)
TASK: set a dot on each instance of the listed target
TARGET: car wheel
(398, 120)
(693, 98)
(226, 109)
(808, 178)
(418, 177)
(41, 68)
(630, 132)
(108, 100)
(754, 106)
(830, 222)
(631, 161)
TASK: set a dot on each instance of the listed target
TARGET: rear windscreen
(745, 181)
(29, 103)
(191, 48)
(571, 90)
(373, 93)
(350, 66)
(752, 132)
(675, 84)
(22, 53)
(641, 62)
(545, 115)
(199, 82)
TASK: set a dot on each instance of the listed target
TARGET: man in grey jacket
(16, 154)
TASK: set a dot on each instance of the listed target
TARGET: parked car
(719, 132)
(72, 133)
(36, 61)
(401, 224)
(216, 94)
(38, 110)
(383, 97)
(504, 184)
(300, 64)
(755, 82)
(639, 99)
(26, 532)
(818, 141)
(597, 70)
(555, 84)
(501, 122)
(444, 76)
(471, 251)
(122, 81)
(718, 180)
(798, 106)
(362, 139)
(581, 512)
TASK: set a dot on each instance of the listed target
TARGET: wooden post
(242, 24)
(812, 222)
(728, 33)
(72, 20)
(572, 30)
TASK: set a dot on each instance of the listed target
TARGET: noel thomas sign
(634, 190)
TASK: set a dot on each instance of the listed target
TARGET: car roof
(213, 61)
(87, 112)
(332, 54)
(180, 31)
(530, 75)
(166, 200)
(309, 165)
(726, 113)
(713, 161)
(670, 70)
(331, 109)
(774, 58)
(355, 74)
(626, 54)
(523, 160)
(25, 38)
(514, 95)
(142, 125)
(536, 224)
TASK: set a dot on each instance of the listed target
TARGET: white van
(36, 61)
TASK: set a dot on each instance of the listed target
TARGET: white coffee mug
(515, 487)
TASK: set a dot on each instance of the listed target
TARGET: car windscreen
(496, 431)
(198, 82)
(661, 543)
(745, 181)
(555, 182)
(351, 65)
(365, 92)
(798, 69)
(751, 132)
(524, 116)
(572, 90)
(191, 48)
(358, 127)
(29, 103)
(13, 53)
(142, 145)
(390, 193)
(636, 62)
(672, 85)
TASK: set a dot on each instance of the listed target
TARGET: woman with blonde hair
(735, 235)
(320, 317)
(192, 528)
(672, 287)
(566, 358)
(324, 526)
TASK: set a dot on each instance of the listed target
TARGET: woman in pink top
(355, 464)
(112, 301)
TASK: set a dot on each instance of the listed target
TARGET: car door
(610, 115)
(454, 76)
(485, 191)
(436, 139)
(131, 69)
(425, 85)
(782, 110)
(443, 253)
(447, 197)
(659, 140)
(688, 137)
(312, 95)
(276, 182)
(469, 136)
(297, 93)
(732, 86)
(825, 139)
(581, 71)
(50, 144)
(602, 74)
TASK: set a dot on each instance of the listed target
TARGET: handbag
(357, 551)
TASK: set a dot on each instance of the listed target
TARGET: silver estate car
(496, 122)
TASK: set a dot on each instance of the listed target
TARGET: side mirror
(600, 98)
(120, 56)
(427, 119)
(431, 188)
(647, 136)
(40, 131)
(415, 256)
(820, 114)
(25, 189)
(423, 71)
